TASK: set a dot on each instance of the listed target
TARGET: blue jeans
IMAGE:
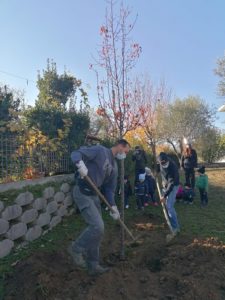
(170, 202)
(89, 241)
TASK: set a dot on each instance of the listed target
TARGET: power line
(17, 76)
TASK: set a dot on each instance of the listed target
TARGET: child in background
(180, 192)
(202, 185)
(150, 180)
(188, 194)
(127, 191)
(141, 191)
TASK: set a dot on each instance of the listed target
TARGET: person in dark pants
(189, 162)
(140, 159)
(188, 194)
(141, 191)
(151, 186)
(127, 191)
(202, 185)
(99, 163)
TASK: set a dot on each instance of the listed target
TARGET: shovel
(102, 197)
(164, 207)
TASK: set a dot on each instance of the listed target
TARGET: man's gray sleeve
(85, 153)
(109, 189)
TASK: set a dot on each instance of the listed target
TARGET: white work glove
(82, 169)
(116, 214)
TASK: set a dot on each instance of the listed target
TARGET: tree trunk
(122, 252)
(175, 150)
(153, 147)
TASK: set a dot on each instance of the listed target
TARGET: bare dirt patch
(186, 269)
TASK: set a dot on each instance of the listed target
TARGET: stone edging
(28, 218)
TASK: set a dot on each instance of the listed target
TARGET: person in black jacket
(140, 159)
(189, 162)
(151, 186)
(170, 179)
(127, 191)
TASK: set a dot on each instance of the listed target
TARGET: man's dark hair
(122, 142)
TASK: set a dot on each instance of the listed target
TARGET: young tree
(154, 100)
(116, 59)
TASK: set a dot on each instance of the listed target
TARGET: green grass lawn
(195, 223)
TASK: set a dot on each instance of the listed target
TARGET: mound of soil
(185, 269)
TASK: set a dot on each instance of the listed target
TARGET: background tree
(10, 109)
(58, 112)
(189, 117)
(211, 145)
(220, 71)
(137, 137)
(116, 59)
(59, 90)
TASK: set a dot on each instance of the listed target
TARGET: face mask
(166, 165)
(121, 156)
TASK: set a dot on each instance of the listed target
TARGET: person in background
(140, 159)
(170, 179)
(151, 186)
(189, 162)
(127, 191)
(188, 194)
(202, 185)
(141, 191)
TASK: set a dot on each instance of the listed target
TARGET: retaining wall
(28, 218)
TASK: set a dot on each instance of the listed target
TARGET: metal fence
(20, 161)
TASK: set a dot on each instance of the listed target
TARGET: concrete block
(29, 216)
(68, 201)
(4, 226)
(16, 231)
(55, 221)
(59, 197)
(65, 188)
(40, 203)
(33, 233)
(12, 212)
(52, 207)
(48, 192)
(1, 206)
(62, 211)
(5, 247)
(24, 199)
(43, 219)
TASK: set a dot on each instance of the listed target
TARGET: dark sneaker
(78, 258)
(98, 270)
